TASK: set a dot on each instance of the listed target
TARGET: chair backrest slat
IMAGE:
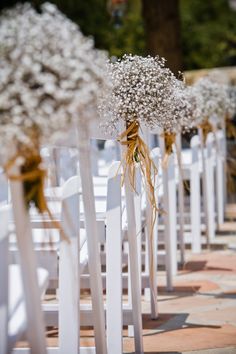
(35, 323)
(4, 260)
(114, 261)
(69, 269)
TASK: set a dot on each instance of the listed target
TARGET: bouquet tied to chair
(48, 71)
(141, 93)
(213, 105)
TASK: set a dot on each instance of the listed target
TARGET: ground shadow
(170, 322)
(180, 290)
(196, 266)
(226, 295)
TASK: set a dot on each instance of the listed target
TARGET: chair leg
(169, 199)
(195, 210)
(134, 273)
(35, 323)
(152, 262)
(114, 315)
(92, 242)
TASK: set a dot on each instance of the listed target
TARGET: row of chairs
(105, 225)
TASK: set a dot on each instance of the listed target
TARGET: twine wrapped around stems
(230, 128)
(169, 139)
(206, 128)
(138, 152)
(32, 175)
(230, 161)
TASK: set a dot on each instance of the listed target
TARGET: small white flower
(212, 100)
(143, 89)
(50, 74)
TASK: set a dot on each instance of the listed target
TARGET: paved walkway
(199, 316)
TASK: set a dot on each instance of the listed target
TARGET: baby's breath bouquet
(182, 114)
(49, 75)
(138, 93)
(141, 91)
(232, 101)
(231, 111)
(212, 104)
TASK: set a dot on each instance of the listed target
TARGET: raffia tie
(138, 152)
(230, 128)
(206, 128)
(230, 161)
(169, 139)
(33, 176)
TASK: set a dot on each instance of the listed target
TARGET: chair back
(114, 318)
(195, 148)
(69, 269)
(28, 266)
(210, 185)
(4, 260)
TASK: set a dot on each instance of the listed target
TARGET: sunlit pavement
(199, 316)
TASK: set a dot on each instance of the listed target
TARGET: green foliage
(208, 29)
(94, 19)
(129, 38)
(208, 33)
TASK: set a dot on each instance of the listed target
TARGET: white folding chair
(114, 313)
(178, 148)
(220, 176)
(73, 257)
(195, 195)
(69, 270)
(210, 186)
(92, 239)
(21, 306)
(151, 232)
(169, 204)
(192, 172)
(90, 220)
(88, 132)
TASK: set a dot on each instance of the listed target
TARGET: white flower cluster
(142, 89)
(49, 74)
(212, 100)
(232, 101)
(220, 77)
(185, 108)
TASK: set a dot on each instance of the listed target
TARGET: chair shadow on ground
(170, 322)
(196, 266)
(181, 291)
(160, 352)
(227, 295)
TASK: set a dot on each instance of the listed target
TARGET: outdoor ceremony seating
(115, 175)
(111, 223)
(109, 226)
(109, 199)
(23, 284)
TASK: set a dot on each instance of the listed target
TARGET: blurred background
(190, 34)
(195, 36)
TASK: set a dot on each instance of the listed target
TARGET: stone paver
(231, 350)
(198, 317)
(202, 309)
